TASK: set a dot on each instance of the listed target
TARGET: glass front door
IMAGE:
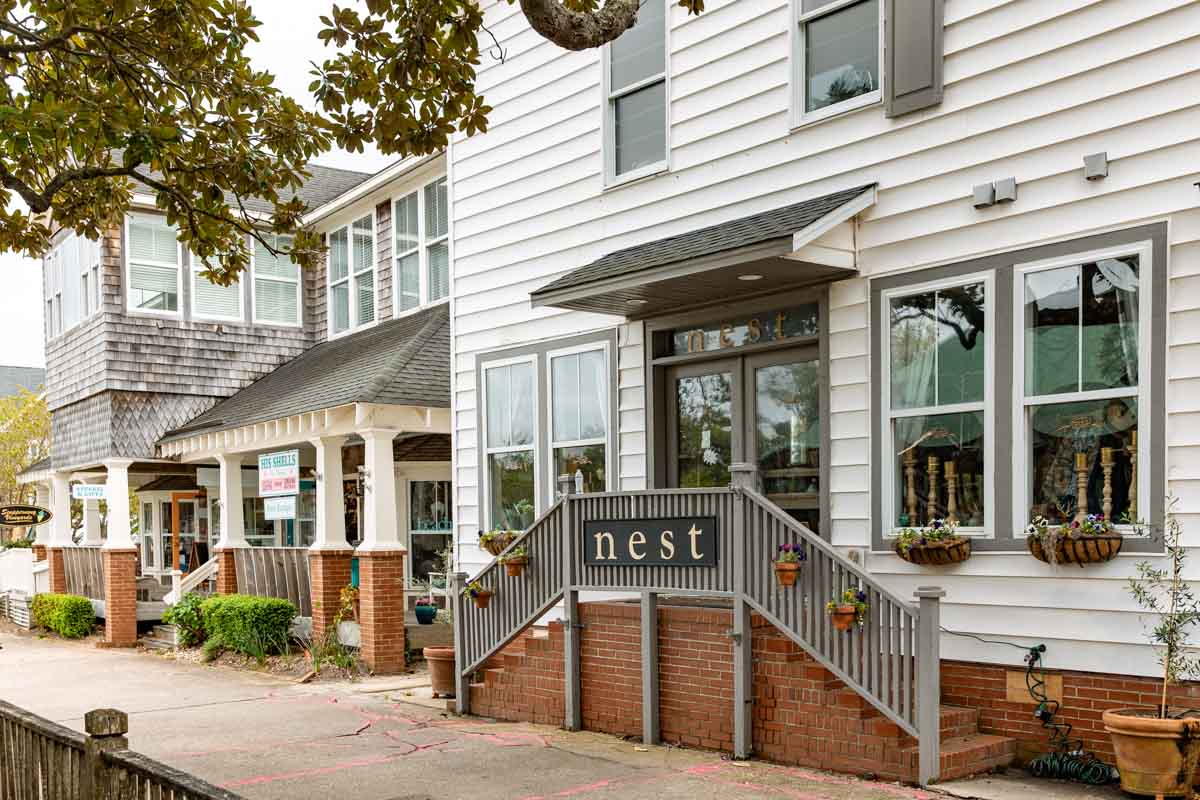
(764, 409)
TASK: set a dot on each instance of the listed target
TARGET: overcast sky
(289, 42)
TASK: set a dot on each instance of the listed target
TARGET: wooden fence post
(650, 720)
(106, 729)
(572, 720)
(929, 683)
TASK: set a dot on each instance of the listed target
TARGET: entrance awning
(790, 247)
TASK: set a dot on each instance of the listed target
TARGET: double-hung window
(212, 300)
(635, 85)
(938, 401)
(510, 406)
(352, 275)
(836, 57)
(153, 260)
(579, 416)
(1082, 361)
(422, 228)
(276, 282)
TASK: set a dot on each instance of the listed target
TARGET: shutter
(913, 45)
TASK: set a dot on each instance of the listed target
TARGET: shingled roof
(404, 361)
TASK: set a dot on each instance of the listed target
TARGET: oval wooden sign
(23, 516)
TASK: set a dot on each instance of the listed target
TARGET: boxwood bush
(68, 615)
(255, 626)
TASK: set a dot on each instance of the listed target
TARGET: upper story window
(938, 404)
(422, 228)
(153, 275)
(635, 86)
(1083, 324)
(211, 300)
(72, 283)
(836, 57)
(276, 286)
(352, 275)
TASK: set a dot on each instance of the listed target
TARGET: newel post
(572, 717)
(929, 682)
(106, 729)
(462, 684)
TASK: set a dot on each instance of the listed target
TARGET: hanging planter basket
(482, 598)
(844, 616)
(515, 567)
(1085, 549)
(936, 554)
(496, 542)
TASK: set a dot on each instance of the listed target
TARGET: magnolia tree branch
(580, 30)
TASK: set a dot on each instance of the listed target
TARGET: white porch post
(233, 524)
(380, 531)
(330, 533)
(41, 533)
(91, 523)
(120, 537)
(60, 499)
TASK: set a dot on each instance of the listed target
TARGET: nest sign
(666, 542)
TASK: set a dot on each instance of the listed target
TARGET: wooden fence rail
(85, 571)
(41, 760)
(276, 572)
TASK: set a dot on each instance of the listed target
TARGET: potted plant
(441, 670)
(514, 561)
(495, 542)
(787, 563)
(480, 595)
(848, 610)
(425, 610)
(935, 544)
(1157, 748)
(1090, 540)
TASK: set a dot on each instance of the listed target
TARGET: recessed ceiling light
(750, 277)
(637, 302)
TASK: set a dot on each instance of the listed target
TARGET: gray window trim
(1008, 536)
(544, 476)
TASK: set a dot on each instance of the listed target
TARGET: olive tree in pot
(1157, 749)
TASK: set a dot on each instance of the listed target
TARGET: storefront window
(705, 437)
(430, 526)
(512, 486)
(147, 537)
(937, 364)
(1081, 370)
(579, 399)
(511, 395)
(260, 531)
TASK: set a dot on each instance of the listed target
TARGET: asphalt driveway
(268, 738)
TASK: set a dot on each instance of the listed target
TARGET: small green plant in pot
(1157, 749)
(848, 610)
(787, 563)
(477, 593)
(514, 561)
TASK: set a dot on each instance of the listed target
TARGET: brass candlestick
(1106, 465)
(910, 476)
(951, 491)
(931, 506)
(1081, 479)
(1133, 479)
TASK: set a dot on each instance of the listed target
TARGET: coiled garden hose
(1067, 759)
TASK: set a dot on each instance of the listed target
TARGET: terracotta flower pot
(844, 616)
(482, 598)
(787, 572)
(441, 670)
(515, 567)
(1156, 757)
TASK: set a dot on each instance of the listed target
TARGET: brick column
(39, 552)
(226, 572)
(330, 572)
(120, 597)
(381, 609)
(58, 570)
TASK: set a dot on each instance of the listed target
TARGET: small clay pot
(787, 572)
(482, 598)
(515, 566)
(844, 616)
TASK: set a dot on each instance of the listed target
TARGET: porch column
(91, 523)
(381, 560)
(120, 560)
(233, 524)
(330, 554)
(60, 529)
(41, 533)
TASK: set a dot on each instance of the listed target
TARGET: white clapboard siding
(1030, 89)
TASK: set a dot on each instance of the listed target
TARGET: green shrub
(188, 619)
(22, 544)
(254, 626)
(68, 615)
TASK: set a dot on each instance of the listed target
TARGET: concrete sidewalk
(267, 738)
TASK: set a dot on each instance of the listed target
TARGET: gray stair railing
(892, 660)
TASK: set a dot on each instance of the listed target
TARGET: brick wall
(381, 609)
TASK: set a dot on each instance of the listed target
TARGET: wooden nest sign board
(23, 516)
(665, 542)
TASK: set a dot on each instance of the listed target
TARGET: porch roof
(404, 362)
(704, 265)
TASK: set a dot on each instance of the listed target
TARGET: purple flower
(924, 540)
(860, 596)
(937, 523)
